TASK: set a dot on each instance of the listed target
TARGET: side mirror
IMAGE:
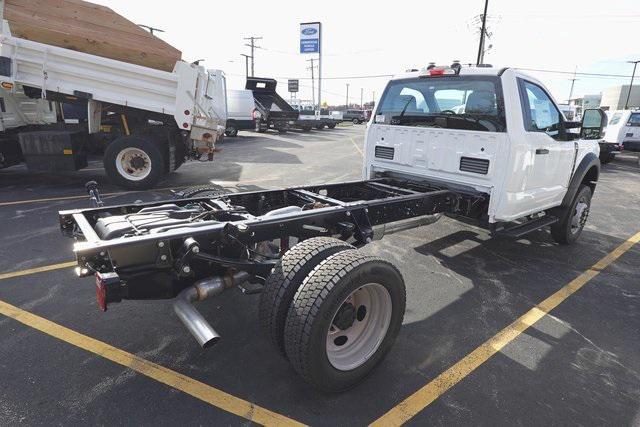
(593, 121)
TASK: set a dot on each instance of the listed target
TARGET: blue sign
(309, 46)
(310, 37)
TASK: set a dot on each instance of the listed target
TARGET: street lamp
(635, 64)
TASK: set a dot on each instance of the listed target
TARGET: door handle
(542, 151)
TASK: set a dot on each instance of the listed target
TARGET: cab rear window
(634, 120)
(456, 102)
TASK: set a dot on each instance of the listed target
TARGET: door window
(615, 119)
(540, 113)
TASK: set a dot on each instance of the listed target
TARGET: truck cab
(495, 132)
(623, 129)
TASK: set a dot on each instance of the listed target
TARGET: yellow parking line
(11, 274)
(422, 398)
(356, 145)
(197, 389)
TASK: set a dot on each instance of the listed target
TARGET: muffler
(200, 291)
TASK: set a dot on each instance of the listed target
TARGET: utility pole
(626, 104)
(361, 94)
(482, 34)
(346, 104)
(573, 81)
(313, 84)
(320, 67)
(373, 98)
(252, 45)
(246, 64)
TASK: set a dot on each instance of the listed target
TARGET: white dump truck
(154, 119)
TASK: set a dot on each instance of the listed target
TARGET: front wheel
(231, 130)
(572, 221)
(355, 121)
(133, 162)
(344, 319)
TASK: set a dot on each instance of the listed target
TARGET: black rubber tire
(322, 293)
(332, 126)
(201, 191)
(285, 279)
(282, 130)
(152, 150)
(356, 121)
(561, 231)
(306, 128)
(231, 130)
(320, 127)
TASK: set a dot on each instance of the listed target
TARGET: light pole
(346, 104)
(635, 64)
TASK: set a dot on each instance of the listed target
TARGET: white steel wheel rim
(133, 164)
(350, 348)
(580, 215)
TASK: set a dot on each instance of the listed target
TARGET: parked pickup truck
(486, 145)
(623, 130)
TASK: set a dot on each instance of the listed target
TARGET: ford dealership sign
(310, 37)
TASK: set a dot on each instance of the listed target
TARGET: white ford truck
(496, 132)
(484, 144)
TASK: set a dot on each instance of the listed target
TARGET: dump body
(274, 110)
(195, 98)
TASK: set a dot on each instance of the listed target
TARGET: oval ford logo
(309, 31)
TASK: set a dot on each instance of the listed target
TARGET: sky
(375, 38)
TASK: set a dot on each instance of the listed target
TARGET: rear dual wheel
(133, 162)
(344, 319)
(332, 311)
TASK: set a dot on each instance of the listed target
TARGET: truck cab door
(551, 151)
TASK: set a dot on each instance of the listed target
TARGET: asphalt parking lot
(497, 331)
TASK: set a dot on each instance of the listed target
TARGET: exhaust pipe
(200, 291)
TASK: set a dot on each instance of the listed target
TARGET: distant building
(615, 97)
(584, 103)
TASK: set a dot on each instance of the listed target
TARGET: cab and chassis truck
(164, 117)
(481, 144)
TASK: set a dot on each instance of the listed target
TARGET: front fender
(586, 165)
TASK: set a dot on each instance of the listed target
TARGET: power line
(573, 72)
(374, 76)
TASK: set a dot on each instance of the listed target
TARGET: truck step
(527, 227)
